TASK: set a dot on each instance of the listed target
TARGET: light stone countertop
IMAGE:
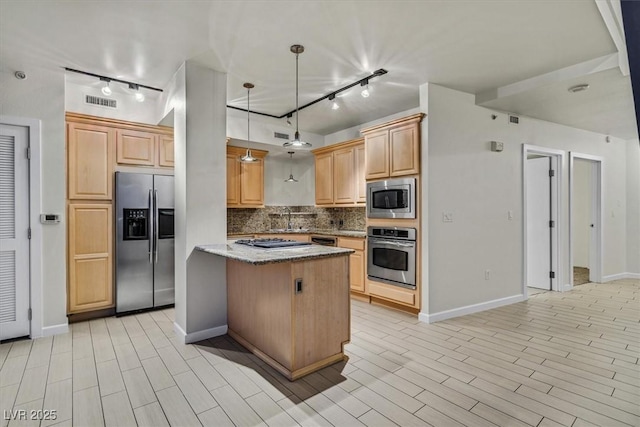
(258, 256)
(327, 232)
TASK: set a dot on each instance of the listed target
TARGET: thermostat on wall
(49, 218)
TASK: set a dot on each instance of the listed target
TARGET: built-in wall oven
(392, 198)
(392, 255)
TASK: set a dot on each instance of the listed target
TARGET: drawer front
(351, 243)
(392, 293)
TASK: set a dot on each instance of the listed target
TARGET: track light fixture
(106, 90)
(365, 89)
(248, 157)
(138, 95)
(334, 103)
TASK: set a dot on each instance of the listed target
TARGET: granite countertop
(259, 256)
(326, 232)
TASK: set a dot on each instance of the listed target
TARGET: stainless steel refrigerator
(144, 241)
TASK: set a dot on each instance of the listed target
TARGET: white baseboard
(469, 309)
(199, 335)
(62, 328)
(620, 276)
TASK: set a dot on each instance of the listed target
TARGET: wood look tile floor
(558, 359)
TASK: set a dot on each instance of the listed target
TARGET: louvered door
(14, 225)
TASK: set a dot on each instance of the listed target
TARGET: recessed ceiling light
(578, 88)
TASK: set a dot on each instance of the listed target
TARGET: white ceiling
(473, 46)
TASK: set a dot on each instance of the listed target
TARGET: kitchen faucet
(289, 225)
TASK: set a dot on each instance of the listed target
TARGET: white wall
(128, 108)
(41, 96)
(581, 212)
(633, 206)
(280, 193)
(262, 129)
(479, 187)
(354, 131)
(200, 187)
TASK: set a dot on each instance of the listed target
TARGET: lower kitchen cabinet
(357, 261)
(393, 293)
(90, 257)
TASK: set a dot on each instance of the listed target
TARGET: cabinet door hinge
(29, 233)
(552, 274)
(29, 314)
(552, 172)
(552, 224)
(28, 153)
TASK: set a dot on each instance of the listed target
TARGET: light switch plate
(447, 216)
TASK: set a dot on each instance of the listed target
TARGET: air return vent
(514, 120)
(280, 135)
(101, 102)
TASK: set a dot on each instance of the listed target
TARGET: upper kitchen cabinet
(165, 151)
(135, 147)
(90, 161)
(340, 174)
(393, 149)
(245, 181)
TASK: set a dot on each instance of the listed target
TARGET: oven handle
(392, 243)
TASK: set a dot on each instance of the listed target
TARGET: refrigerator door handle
(150, 243)
(155, 223)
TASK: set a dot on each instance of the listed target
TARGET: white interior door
(14, 227)
(538, 217)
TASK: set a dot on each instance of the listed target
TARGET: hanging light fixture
(106, 90)
(248, 157)
(296, 142)
(291, 178)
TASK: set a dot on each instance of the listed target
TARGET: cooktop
(271, 243)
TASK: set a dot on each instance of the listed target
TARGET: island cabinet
(293, 315)
(339, 172)
(393, 149)
(245, 181)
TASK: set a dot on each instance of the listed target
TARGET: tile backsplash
(312, 217)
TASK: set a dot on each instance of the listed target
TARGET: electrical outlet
(341, 223)
(447, 216)
(487, 274)
(510, 215)
(331, 222)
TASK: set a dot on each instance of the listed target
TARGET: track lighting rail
(112, 79)
(330, 95)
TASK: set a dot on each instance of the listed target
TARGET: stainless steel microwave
(392, 198)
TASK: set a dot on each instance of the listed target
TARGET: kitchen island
(290, 306)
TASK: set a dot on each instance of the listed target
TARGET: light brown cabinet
(393, 149)
(90, 161)
(94, 146)
(245, 181)
(324, 179)
(135, 147)
(357, 261)
(165, 151)
(90, 256)
(339, 172)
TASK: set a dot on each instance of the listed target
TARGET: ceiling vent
(514, 120)
(100, 102)
(280, 135)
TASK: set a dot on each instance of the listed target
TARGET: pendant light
(296, 142)
(248, 157)
(291, 178)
